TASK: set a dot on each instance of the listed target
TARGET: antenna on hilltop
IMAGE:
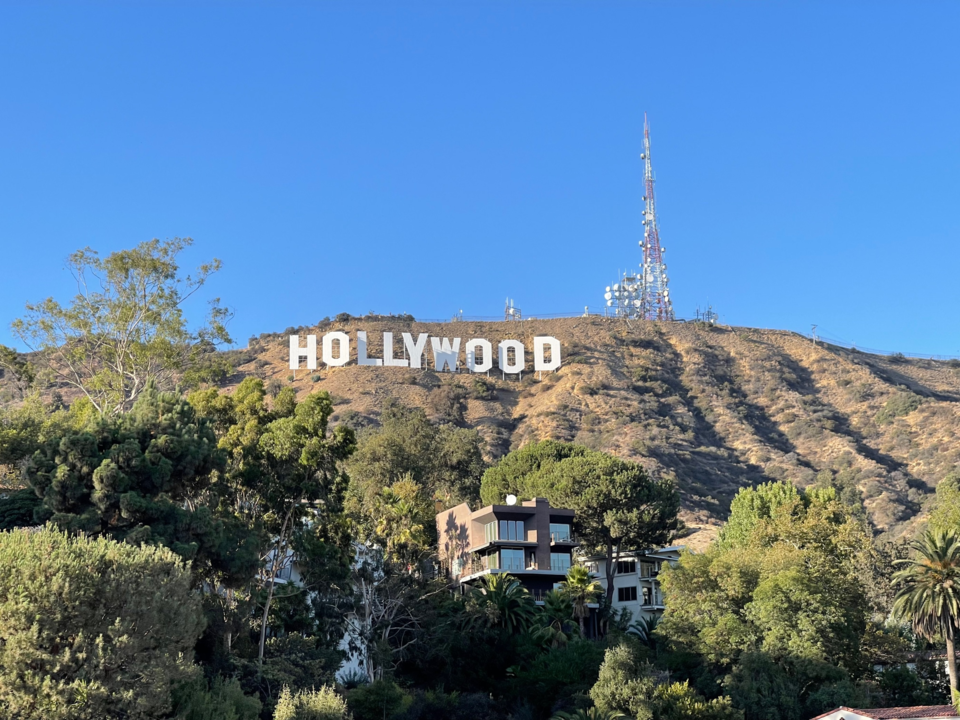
(510, 312)
(654, 293)
(644, 295)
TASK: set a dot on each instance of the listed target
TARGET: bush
(16, 509)
(342, 318)
(447, 403)
(322, 704)
(380, 700)
(903, 403)
(315, 377)
(482, 390)
(92, 628)
(223, 700)
(274, 387)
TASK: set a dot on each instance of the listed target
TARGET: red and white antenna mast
(654, 294)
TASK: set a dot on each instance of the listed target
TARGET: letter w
(443, 354)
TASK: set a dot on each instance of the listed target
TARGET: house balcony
(564, 539)
(476, 567)
(502, 543)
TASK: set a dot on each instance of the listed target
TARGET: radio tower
(654, 294)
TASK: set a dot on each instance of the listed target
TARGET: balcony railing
(563, 537)
(474, 565)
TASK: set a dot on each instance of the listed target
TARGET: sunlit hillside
(716, 407)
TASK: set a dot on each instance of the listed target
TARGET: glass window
(560, 562)
(559, 532)
(626, 566)
(512, 530)
(646, 596)
(627, 594)
(490, 531)
(646, 570)
(511, 560)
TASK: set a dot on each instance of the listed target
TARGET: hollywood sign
(478, 353)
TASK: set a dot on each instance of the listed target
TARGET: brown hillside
(717, 408)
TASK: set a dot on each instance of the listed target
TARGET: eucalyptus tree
(125, 327)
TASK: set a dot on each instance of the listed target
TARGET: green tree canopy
(142, 477)
(125, 327)
(92, 628)
(777, 599)
(445, 461)
(945, 514)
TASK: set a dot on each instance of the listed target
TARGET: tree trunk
(280, 548)
(952, 668)
(610, 573)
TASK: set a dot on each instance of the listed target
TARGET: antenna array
(654, 293)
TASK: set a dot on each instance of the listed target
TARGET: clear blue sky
(432, 157)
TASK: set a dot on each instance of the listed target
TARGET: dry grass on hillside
(716, 408)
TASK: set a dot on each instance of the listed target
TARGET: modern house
(636, 580)
(918, 712)
(530, 540)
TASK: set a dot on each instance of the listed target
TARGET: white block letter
(415, 350)
(539, 343)
(362, 358)
(388, 359)
(471, 348)
(344, 356)
(309, 352)
(443, 354)
(517, 365)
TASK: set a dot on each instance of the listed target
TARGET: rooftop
(896, 713)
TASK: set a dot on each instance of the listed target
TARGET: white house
(636, 581)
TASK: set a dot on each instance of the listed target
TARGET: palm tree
(555, 620)
(516, 610)
(929, 594)
(643, 629)
(582, 590)
(589, 714)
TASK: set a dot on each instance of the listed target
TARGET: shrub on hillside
(378, 700)
(322, 704)
(223, 700)
(447, 404)
(92, 628)
(903, 403)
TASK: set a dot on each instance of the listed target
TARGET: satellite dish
(511, 499)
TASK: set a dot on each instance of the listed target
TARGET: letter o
(518, 364)
(471, 350)
(344, 356)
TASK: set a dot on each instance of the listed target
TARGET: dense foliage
(92, 628)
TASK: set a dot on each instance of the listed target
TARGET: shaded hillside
(717, 408)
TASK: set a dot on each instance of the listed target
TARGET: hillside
(717, 408)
